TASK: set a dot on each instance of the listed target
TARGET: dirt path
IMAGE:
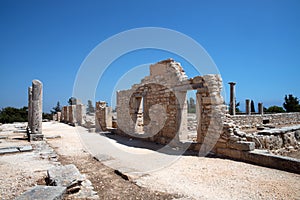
(207, 178)
(189, 177)
(105, 181)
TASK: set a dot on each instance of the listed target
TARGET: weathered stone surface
(36, 137)
(30, 108)
(37, 107)
(103, 116)
(242, 146)
(251, 121)
(18, 149)
(41, 192)
(67, 176)
(156, 108)
(103, 157)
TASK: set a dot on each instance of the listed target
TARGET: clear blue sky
(254, 43)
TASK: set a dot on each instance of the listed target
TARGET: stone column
(260, 108)
(66, 114)
(58, 116)
(232, 98)
(248, 107)
(103, 116)
(80, 114)
(30, 108)
(72, 114)
(37, 110)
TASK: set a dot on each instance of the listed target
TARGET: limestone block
(65, 176)
(41, 192)
(242, 145)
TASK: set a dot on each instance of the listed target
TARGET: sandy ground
(189, 177)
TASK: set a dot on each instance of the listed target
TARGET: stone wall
(156, 108)
(252, 121)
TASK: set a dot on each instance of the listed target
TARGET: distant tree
(265, 109)
(90, 108)
(291, 103)
(56, 109)
(237, 109)
(10, 114)
(275, 109)
(47, 116)
(252, 106)
(72, 101)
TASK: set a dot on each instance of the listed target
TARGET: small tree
(90, 108)
(11, 114)
(252, 106)
(291, 103)
(275, 109)
(237, 109)
(56, 109)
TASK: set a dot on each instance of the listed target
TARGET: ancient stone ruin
(35, 110)
(156, 110)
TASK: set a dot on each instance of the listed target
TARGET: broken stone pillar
(232, 98)
(66, 114)
(58, 116)
(80, 114)
(62, 115)
(54, 117)
(37, 110)
(248, 107)
(260, 108)
(72, 114)
(29, 108)
(103, 116)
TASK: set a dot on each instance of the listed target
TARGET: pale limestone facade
(103, 116)
(156, 109)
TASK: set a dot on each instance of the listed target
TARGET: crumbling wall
(251, 121)
(152, 109)
(156, 108)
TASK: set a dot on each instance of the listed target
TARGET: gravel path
(189, 177)
(213, 178)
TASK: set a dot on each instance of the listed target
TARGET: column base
(36, 137)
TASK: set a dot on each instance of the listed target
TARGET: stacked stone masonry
(156, 109)
(251, 121)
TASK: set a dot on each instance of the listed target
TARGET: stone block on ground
(242, 145)
(41, 192)
(67, 176)
(15, 149)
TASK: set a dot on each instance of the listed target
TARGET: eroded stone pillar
(248, 107)
(80, 114)
(66, 114)
(30, 108)
(72, 114)
(37, 110)
(260, 108)
(58, 116)
(232, 98)
(103, 116)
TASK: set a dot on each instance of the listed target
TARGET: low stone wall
(251, 121)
